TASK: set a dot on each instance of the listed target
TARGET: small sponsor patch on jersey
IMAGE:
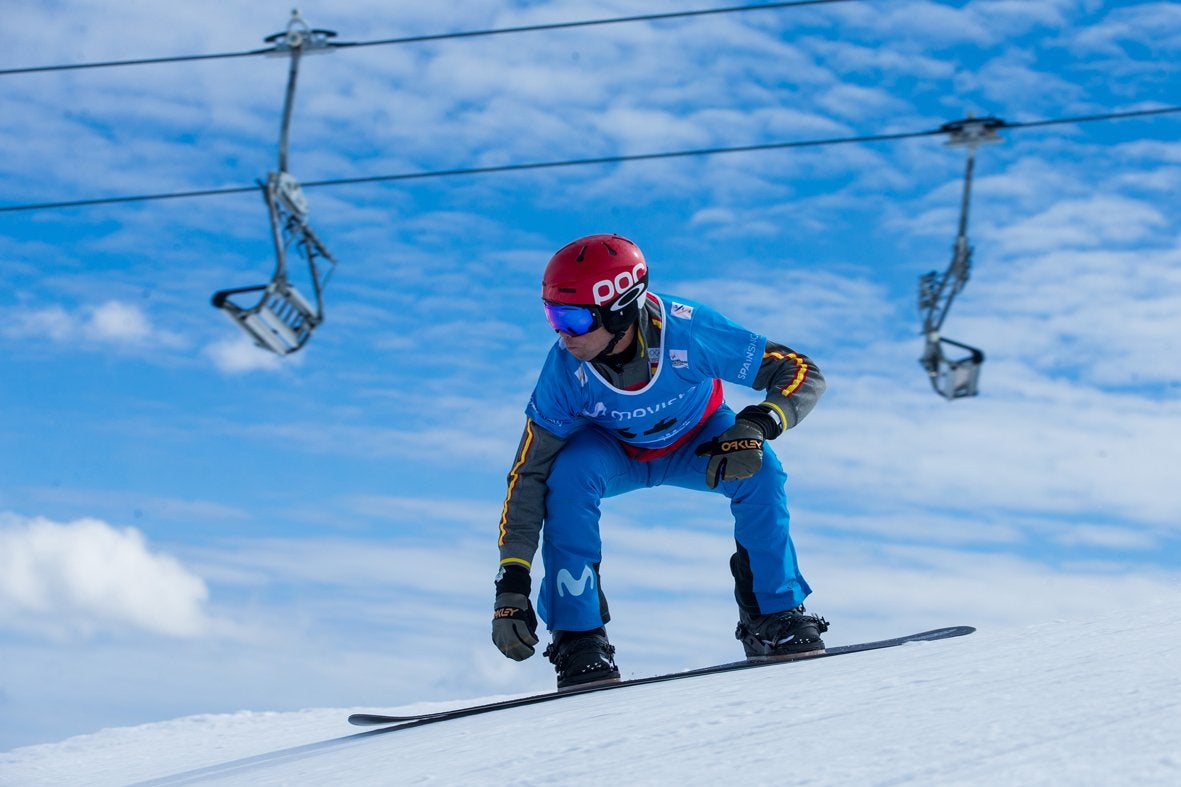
(682, 310)
(678, 358)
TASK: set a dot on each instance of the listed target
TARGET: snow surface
(1076, 702)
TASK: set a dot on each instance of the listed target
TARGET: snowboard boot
(582, 657)
(780, 635)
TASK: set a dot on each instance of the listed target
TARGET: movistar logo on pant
(575, 587)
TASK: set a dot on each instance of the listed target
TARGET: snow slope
(1060, 703)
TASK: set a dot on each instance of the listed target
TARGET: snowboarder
(631, 396)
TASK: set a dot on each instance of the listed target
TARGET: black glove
(514, 623)
(738, 452)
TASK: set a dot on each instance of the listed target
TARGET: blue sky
(188, 524)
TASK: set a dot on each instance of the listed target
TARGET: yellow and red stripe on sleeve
(514, 475)
(801, 370)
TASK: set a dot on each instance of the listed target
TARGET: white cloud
(853, 57)
(240, 354)
(982, 23)
(806, 311)
(1085, 224)
(1018, 452)
(926, 585)
(1155, 25)
(85, 576)
(1007, 78)
(52, 322)
(110, 324)
(119, 322)
(853, 101)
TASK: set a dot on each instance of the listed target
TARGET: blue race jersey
(697, 348)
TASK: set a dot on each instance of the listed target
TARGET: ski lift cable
(1119, 115)
(433, 37)
(507, 168)
(655, 17)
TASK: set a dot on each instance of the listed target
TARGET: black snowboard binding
(582, 658)
(780, 635)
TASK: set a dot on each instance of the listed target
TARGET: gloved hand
(737, 453)
(514, 623)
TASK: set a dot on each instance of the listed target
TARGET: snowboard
(402, 722)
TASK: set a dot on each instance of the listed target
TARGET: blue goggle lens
(571, 320)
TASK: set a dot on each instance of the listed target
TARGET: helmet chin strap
(633, 308)
(609, 350)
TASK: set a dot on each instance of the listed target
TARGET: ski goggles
(572, 320)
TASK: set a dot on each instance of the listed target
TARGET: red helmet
(605, 273)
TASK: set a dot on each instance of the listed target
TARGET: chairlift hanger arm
(936, 293)
(294, 42)
(285, 127)
(970, 133)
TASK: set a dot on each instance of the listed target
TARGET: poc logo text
(625, 286)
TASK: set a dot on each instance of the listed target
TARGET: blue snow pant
(593, 466)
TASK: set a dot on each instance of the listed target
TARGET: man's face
(588, 346)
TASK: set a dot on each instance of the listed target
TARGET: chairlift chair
(952, 379)
(282, 319)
